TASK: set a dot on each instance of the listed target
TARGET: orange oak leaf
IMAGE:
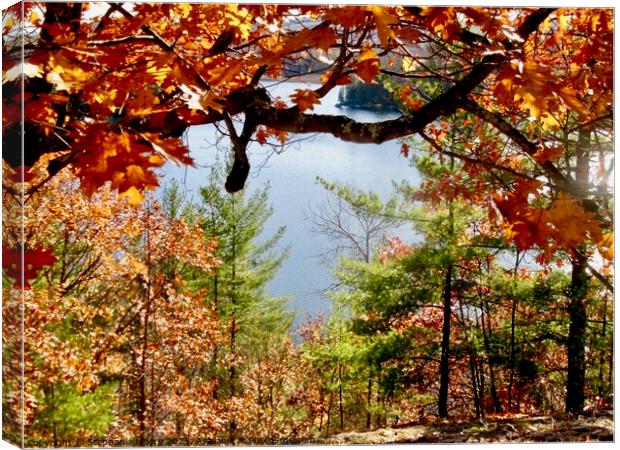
(545, 154)
(305, 99)
(367, 65)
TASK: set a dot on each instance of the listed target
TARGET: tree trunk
(513, 315)
(576, 377)
(145, 337)
(512, 352)
(480, 371)
(329, 412)
(472, 365)
(215, 356)
(233, 324)
(497, 405)
(369, 403)
(601, 377)
(340, 405)
(444, 368)
(575, 382)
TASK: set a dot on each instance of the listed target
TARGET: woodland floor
(516, 429)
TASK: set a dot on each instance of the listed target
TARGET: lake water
(294, 192)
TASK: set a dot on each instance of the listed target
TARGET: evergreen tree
(255, 321)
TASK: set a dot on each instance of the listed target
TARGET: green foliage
(255, 322)
(68, 412)
(236, 222)
(247, 265)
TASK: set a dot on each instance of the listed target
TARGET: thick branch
(241, 164)
(599, 276)
(446, 104)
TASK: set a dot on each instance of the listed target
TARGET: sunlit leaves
(348, 17)
(221, 70)
(545, 154)
(557, 78)
(384, 19)
(115, 90)
(571, 224)
(441, 20)
(305, 99)
(564, 224)
(64, 75)
(125, 159)
(117, 153)
(367, 65)
(82, 315)
(321, 37)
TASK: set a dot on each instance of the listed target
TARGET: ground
(515, 429)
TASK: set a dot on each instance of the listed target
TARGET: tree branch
(564, 182)
(446, 104)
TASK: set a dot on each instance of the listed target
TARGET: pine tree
(237, 288)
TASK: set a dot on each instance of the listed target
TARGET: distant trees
(461, 324)
(366, 96)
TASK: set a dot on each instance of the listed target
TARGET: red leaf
(33, 260)
(404, 150)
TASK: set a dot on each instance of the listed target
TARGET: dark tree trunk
(576, 377)
(480, 371)
(601, 378)
(471, 351)
(329, 412)
(444, 369)
(369, 403)
(486, 334)
(512, 352)
(575, 395)
(215, 347)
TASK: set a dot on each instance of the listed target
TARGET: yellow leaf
(9, 22)
(158, 71)
(383, 19)
(573, 102)
(156, 160)
(533, 103)
(606, 246)
(224, 72)
(549, 122)
(210, 100)
(34, 18)
(66, 76)
(408, 64)
(545, 154)
(571, 223)
(134, 196)
(564, 22)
